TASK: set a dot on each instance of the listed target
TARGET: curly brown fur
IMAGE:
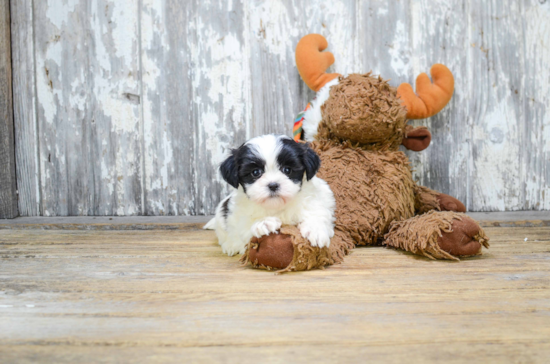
(425, 199)
(371, 189)
(420, 234)
(305, 256)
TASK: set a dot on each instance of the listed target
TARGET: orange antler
(432, 97)
(312, 64)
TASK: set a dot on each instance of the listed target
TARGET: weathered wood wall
(8, 191)
(126, 107)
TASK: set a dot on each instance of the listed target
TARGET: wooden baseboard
(107, 223)
(486, 219)
(512, 218)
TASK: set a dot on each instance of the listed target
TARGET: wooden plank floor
(71, 296)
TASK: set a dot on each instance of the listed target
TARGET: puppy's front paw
(266, 226)
(316, 234)
(230, 251)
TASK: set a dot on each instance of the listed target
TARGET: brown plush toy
(356, 125)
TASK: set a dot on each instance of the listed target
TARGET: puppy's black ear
(230, 171)
(312, 162)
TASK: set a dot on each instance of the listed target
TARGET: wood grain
(385, 44)
(278, 93)
(143, 99)
(88, 103)
(8, 183)
(497, 99)
(168, 108)
(484, 219)
(27, 141)
(439, 35)
(108, 296)
(536, 98)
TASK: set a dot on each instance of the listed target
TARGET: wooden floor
(70, 296)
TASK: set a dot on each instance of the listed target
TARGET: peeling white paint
(400, 42)
(58, 11)
(47, 89)
(158, 152)
(219, 79)
(271, 22)
(383, 10)
(123, 29)
(537, 54)
(90, 89)
(497, 167)
(213, 131)
(336, 21)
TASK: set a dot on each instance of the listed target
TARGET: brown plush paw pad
(449, 203)
(273, 250)
(460, 241)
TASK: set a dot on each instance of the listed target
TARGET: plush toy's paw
(464, 239)
(318, 235)
(266, 226)
(273, 251)
(289, 251)
(438, 235)
(449, 203)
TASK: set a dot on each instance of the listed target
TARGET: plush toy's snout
(416, 139)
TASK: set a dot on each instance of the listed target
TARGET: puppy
(275, 184)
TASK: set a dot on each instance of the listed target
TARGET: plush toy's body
(356, 125)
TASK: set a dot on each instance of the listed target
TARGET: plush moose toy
(356, 125)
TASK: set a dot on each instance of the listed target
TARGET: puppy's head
(270, 169)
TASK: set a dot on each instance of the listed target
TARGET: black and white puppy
(275, 184)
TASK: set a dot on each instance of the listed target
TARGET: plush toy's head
(366, 110)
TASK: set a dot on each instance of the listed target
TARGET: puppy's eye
(287, 170)
(257, 172)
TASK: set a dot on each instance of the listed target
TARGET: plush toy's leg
(438, 235)
(426, 200)
(290, 252)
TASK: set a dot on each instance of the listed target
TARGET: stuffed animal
(356, 125)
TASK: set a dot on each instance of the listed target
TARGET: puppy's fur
(275, 184)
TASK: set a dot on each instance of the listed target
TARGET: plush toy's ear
(230, 171)
(416, 139)
(312, 162)
(312, 62)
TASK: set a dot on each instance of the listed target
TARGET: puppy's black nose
(273, 186)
